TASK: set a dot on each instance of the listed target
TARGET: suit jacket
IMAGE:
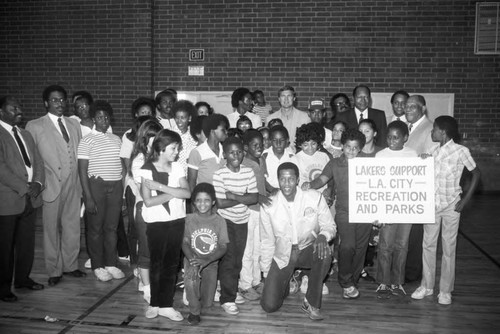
(13, 174)
(420, 137)
(53, 149)
(378, 116)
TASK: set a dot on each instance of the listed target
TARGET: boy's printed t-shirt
(259, 169)
(204, 160)
(311, 166)
(272, 164)
(205, 234)
(238, 183)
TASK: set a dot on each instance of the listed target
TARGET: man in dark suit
(362, 100)
(21, 182)
(57, 138)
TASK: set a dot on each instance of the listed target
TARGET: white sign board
(391, 190)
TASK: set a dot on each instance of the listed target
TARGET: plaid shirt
(449, 162)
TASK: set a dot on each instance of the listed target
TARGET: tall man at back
(57, 138)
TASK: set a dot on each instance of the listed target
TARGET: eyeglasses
(55, 100)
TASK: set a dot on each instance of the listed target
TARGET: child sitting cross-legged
(204, 243)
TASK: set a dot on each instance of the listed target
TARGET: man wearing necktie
(398, 103)
(57, 138)
(21, 182)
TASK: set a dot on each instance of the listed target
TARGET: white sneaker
(88, 264)
(171, 313)
(124, 258)
(230, 308)
(152, 312)
(422, 292)
(184, 298)
(102, 275)
(115, 272)
(304, 284)
(147, 293)
(325, 290)
(239, 299)
(444, 298)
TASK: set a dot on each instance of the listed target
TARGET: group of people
(249, 203)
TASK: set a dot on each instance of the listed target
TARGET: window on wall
(487, 28)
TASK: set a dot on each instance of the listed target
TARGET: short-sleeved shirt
(205, 234)
(449, 162)
(311, 166)
(406, 152)
(204, 160)
(238, 183)
(102, 150)
(337, 169)
(273, 162)
(188, 144)
(233, 119)
(259, 169)
(262, 112)
(127, 146)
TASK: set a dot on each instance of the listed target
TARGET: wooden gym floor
(88, 306)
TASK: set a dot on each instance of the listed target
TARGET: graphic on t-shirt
(314, 172)
(204, 241)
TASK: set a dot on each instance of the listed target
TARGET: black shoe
(367, 277)
(76, 273)
(32, 285)
(54, 280)
(193, 319)
(9, 298)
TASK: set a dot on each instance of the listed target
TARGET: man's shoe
(115, 272)
(171, 313)
(250, 294)
(398, 290)
(54, 280)
(422, 292)
(193, 319)
(75, 273)
(444, 298)
(350, 293)
(9, 298)
(32, 285)
(313, 312)
(383, 292)
(367, 277)
(230, 308)
(152, 312)
(102, 275)
(239, 299)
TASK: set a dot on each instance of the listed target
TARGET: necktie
(63, 130)
(21, 146)
(398, 118)
(361, 117)
(409, 127)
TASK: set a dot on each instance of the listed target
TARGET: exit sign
(196, 54)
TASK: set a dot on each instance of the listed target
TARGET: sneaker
(102, 275)
(398, 290)
(124, 258)
(313, 312)
(230, 308)
(422, 292)
(171, 313)
(350, 293)
(185, 299)
(88, 264)
(304, 284)
(367, 277)
(259, 288)
(193, 319)
(147, 293)
(294, 285)
(239, 299)
(152, 312)
(325, 290)
(115, 272)
(444, 298)
(136, 272)
(383, 292)
(250, 294)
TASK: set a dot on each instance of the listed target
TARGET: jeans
(165, 241)
(250, 271)
(413, 269)
(447, 221)
(352, 249)
(392, 250)
(230, 264)
(200, 291)
(276, 286)
(142, 239)
(101, 227)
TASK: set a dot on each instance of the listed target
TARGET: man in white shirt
(398, 102)
(295, 231)
(242, 102)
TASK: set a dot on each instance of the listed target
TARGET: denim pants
(352, 249)
(447, 221)
(200, 291)
(165, 241)
(101, 227)
(230, 264)
(276, 285)
(392, 250)
(142, 239)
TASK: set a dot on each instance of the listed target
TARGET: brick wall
(319, 47)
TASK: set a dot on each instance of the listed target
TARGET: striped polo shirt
(102, 150)
(238, 183)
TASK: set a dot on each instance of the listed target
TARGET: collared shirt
(204, 160)
(449, 162)
(358, 113)
(273, 162)
(402, 118)
(414, 125)
(55, 120)
(291, 121)
(8, 128)
(284, 224)
(233, 119)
